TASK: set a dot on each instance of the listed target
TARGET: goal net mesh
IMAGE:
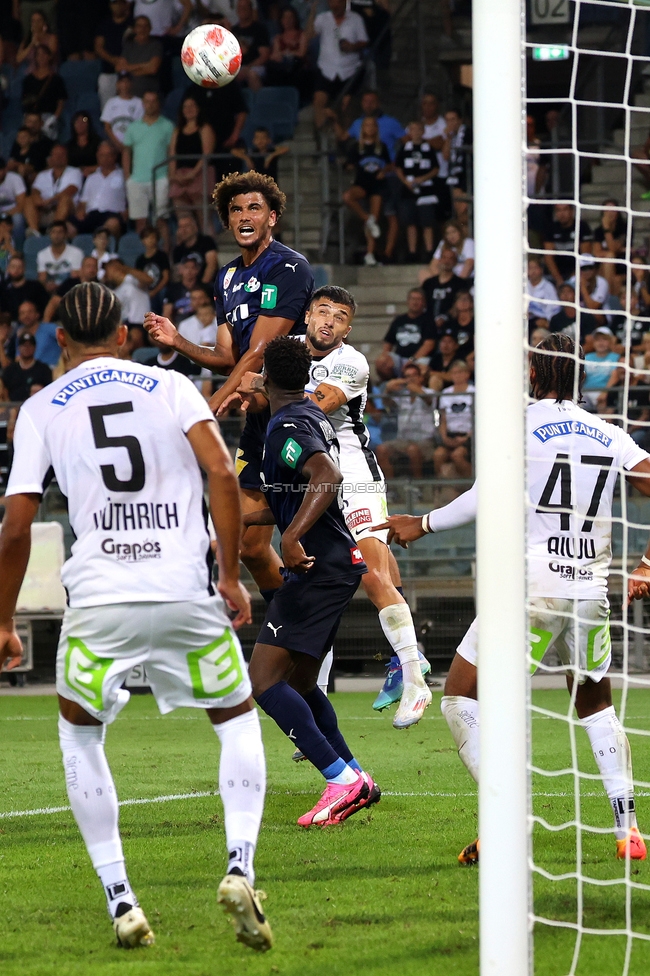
(588, 105)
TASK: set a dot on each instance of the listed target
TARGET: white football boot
(132, 929)
(415, 698)
(242, 903)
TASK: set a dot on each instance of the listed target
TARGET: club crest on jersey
(355, 555)
(319, 373)
(228, 278)
(564, 427)
(252, 284)
(328, 430)
(143, 382)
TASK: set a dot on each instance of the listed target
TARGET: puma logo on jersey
(290, 425)
(274, 629)
(291, 735)
(292, 266)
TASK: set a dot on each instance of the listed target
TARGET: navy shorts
(248, 462)
(304, 615)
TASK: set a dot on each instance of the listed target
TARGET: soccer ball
(211, 56)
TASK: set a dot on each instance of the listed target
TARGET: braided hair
(90, 313)
(554, 362)
(287, 363)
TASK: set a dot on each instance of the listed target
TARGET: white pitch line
(192, 796)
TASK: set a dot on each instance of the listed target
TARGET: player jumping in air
(574, 459)
(125, 442)
(338, 383)
(322, 571)
(263, 293)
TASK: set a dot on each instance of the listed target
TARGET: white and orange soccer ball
(211, 56)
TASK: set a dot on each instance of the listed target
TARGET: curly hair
(554, 363)
(287, 363)
(236, 183)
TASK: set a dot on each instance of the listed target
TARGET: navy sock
(292, 714)
(325, 718)
(267, 595)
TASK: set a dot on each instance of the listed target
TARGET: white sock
(611, 751)
(93, 799)
(323, 678)
(242, 784)
(397, 624)
(462, 718)
(345, 777)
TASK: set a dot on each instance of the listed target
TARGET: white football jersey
(573, 460)
(347, 369)
(114, 434)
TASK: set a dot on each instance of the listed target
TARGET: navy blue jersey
(278, 284)
(293, 435)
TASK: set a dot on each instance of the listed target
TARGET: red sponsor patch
(360, 516)
(215, 36)
(234, 64)
(187, 56)
(355, 555)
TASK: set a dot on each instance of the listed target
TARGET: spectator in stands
(562, 237)
(56, 262)
(19, 376)
(120, 110)
(264, 156)
(643, 169)
(610, 240)
(199, 247)
(146, 144)
(163, 16)
(155, 264)
(87, 272)
(5, 332)
(641, 283)
(226, 111)
(103, 199)
(55, 191)
(193, 137)
(83, 143)
(415, 423)
(637, 412)
(454, 236)
(39, 34)
(7, 243)
(12, 199)
(44, 91)
(16, 289)
(416, 166)
(101, 250)
(169, 358)
(461, 316)
(440, 362)
(254, 40)
(376, 16)
(133, 296)
(455, 138)
(594, 292)
(369, 159)
(441, 289)
(343, 37)
(600, 368)
(200, 328)
(178, 299)
(536, 179)
(565, 319)
(287, 64)
(44, 334)
(411, 336)
(434, 127)
(142, 57)
(542, 303)
(29, 154)
(108, 47)
(453, 458)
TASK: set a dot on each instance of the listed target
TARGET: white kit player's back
(114, 433)
(573, 460)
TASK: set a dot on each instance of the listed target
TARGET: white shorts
(364, 505)
(191, 656)
(552, 625)
(140, 198)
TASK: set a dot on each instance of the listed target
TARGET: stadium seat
(144, 355)
(172, 104)
(179, 78)
(88, 101)
(276, 109)
(31, 248)
(80, 76)
(85, 242)
(130, 248)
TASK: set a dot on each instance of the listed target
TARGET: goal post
(499, 134)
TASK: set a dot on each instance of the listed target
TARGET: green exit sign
(551, 52)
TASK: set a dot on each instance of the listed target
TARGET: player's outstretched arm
(15, 545)
(407, 528)
(638, 585)
(219, 360)
(212, 454)
(324, 480)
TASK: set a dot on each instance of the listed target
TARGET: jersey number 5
(128, 441)
(562, 470)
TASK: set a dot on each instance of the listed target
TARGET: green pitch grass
(381, 894)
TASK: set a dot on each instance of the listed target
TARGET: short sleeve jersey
(407, 334)
(153, 266)
(416, 160)
(278, 284)
(295, 433)
(573, 460)
(202, 246)
(114, 434)
(564, 239)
